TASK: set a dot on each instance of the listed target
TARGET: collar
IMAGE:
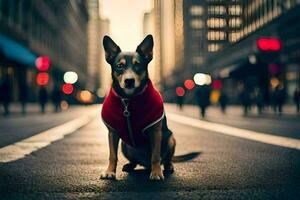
(149, 84)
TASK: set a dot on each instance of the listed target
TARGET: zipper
(126, 114)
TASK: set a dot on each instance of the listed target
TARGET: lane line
(25, 147)
(237, 132)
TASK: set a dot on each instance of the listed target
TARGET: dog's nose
(129, 83)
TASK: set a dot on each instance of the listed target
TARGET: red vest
(144, 110)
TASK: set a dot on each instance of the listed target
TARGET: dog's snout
(129, 83)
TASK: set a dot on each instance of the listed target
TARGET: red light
(42, 63)
(189, 84)
(217, 84)
(67, 88)
(42, 78)
(180, 91)
(269, 44)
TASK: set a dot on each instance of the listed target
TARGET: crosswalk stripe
(236, 132)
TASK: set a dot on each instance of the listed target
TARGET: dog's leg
(113, 139)
(155, 135)
(168, 165)
(129, 167)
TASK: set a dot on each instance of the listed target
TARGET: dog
(133, 112)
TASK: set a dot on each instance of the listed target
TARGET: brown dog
(133, 111)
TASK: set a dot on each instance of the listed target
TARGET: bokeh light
(67, 88)
(42, 78)
(64, 105)
(189, 84)
(180, 91)
(70, 77)
(86, 96)
(217, 84)
(202, 79)
(214, 96)
(42, 63)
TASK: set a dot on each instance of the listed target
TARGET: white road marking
(25, 147)
(237, 132)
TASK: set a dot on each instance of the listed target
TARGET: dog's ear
(145, 49)
(111, 49)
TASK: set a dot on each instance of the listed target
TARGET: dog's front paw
(108, 175)
(156, 175)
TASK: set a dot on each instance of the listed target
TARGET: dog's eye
(120, 65)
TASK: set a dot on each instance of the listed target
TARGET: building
(94, 46)
(168, 56)
(105, 71)
(53, 28)
(246, 65)
(209, 26)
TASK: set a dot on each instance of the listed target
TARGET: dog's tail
(185, 157)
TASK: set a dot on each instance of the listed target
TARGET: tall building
(246, 64)
(166, 53)
(29, 29)
(209, 27)
(148, 28)
(94, 45)
(105, 71)
(187, 32)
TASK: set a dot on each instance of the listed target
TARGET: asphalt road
(227, 167)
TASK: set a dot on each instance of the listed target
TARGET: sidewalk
(289, 111)
(32, 109)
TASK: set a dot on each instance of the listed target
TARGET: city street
(61, 156)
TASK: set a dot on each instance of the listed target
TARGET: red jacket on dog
(144, 110)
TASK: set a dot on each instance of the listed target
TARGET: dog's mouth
(129, 91)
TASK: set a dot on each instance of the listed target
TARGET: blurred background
(236, 52)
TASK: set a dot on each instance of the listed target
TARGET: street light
(70, 77)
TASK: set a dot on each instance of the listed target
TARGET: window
(235, 22)
(214, 47)
(235, 10)
(197, 60)
(216, 10)
(196, 23)
(216, 22)
(216, 35)
(197, 10)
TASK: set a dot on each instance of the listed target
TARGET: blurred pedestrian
(245, 100)
(297, 99)
(23, 97)
(56, 98)
(223, 100)
(180, 100)
(259, 100)
(43, 98)
(202, 98)
(6, 94)
(279, 98)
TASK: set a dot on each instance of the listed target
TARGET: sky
(126, 18)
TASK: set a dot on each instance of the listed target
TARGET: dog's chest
(132, 117)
